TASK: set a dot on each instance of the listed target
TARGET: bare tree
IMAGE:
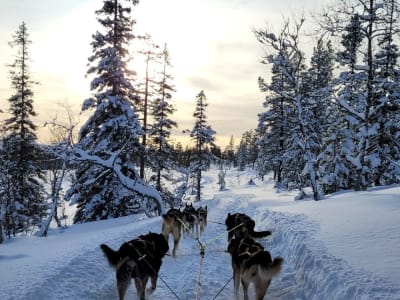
(62, 133)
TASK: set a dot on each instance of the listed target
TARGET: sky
(211, 44)
(342, 247)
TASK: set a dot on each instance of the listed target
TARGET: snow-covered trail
(76, 268)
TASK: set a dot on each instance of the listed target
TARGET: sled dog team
(140, 259)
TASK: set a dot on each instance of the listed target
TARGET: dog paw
(150, 290)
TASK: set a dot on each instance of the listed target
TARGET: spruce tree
(298, 168)
(160, 131)
(388, 72)
(248, 150)
(318, 103)
(203, 136)
(22, 195)
(364, 88)
(229, 152)
(273, 124)
(147, 90)
(113, 129)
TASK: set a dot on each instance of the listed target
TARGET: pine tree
(362, 91)
(147, 90)
(203, 136)
(113, 130)
(248, 150)
(388, 71)
(273, 124)
(342, 172)
(299, 167)
(160, 131)
(229, 152)
(319, 105)
(22, 195)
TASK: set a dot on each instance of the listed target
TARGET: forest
(328, 123)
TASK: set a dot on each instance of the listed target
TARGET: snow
(343, 247)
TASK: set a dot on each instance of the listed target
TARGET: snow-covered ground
(346, 246)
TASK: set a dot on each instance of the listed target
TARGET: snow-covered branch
(136, 185)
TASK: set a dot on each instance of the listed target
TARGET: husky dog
(172, 225)
(139, 259)
(252, 264)
(202, 213)
(242, 226)
(190, 218)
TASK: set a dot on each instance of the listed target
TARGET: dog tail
(111, 255)
(260, 234)
(272, 269)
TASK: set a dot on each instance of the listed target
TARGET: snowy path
(76, 268)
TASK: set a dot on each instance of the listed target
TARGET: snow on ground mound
(320, 273)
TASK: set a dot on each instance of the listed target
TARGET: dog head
(172, 215)
(189, 207)
(239, 226)
(236, 225)
(202, 211)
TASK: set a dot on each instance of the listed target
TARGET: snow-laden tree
(203, 136)
(340, 142)
(160, 131)
(22, 192)
(364, 86)
(319, 84)
(107, 184)
(298, 108)
(273, 124)
(388, 71)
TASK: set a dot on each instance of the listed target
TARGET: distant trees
(22, 201)
(247, 151)
(229, 153)
(203, 136)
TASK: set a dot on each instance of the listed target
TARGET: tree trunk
(198, 185)
(1, 233)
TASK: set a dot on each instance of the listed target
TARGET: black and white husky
(139, 259)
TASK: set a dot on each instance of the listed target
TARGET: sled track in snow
(315, 272)
(98, 281)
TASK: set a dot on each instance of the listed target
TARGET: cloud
(204, 83)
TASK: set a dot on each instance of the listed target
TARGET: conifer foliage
(334, 130)
(160, 131)
(203, 136)
(112, 132)
(22, 203)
